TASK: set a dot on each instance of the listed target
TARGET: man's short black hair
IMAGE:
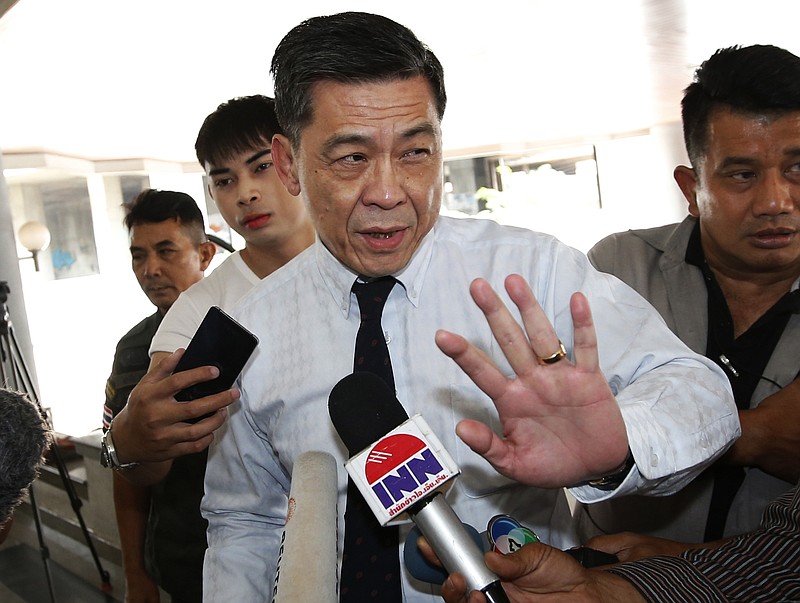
(760, 80)
(152, 206)
(236, 126)
(349, 47)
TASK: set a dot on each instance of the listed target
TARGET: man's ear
(686, 178)
(285, 164)
(207, 252)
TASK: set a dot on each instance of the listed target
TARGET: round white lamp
(35, 237)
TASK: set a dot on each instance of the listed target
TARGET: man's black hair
(349, 47)
(236, 126)
(760, 80)
(152, 206)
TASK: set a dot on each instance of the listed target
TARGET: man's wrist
(108, 452)
(612, 480)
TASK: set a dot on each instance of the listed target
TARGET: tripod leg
(45, 552)
(76, 503)
(23, 382)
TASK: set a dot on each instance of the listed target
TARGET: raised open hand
(561, 422)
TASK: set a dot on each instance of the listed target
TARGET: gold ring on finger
(553, 358)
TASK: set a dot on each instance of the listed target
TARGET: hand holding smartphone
(219, 341)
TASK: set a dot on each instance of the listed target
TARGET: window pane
(68, 215)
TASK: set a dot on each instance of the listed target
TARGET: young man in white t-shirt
(234, 148)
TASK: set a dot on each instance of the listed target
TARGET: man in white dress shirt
(610, 405)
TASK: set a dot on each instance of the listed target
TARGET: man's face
(369, 166)
(253, 200)
(747, 194)
(165, 260)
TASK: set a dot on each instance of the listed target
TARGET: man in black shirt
(162, 535)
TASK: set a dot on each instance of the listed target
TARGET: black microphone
(400, 467)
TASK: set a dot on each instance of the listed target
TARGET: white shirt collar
(339, 279)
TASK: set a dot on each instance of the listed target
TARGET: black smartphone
(219, 341)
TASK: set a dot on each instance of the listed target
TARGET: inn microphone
(307, 562)
(402, 470)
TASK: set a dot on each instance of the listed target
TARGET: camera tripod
(14, 374)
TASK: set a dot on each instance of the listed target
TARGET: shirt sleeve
(130, 365)
(179, 323)
(245, 504)
(757, 567)
(677, 405)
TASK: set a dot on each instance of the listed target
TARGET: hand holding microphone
(400, 468)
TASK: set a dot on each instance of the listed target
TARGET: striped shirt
(758, 567)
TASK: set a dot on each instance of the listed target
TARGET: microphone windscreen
(307, 566)
(363, 409)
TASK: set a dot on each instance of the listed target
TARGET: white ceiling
(117, 79)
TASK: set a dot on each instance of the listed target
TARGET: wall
(636, 191)
(16, 320)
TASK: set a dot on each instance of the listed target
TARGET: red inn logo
(400, 465)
